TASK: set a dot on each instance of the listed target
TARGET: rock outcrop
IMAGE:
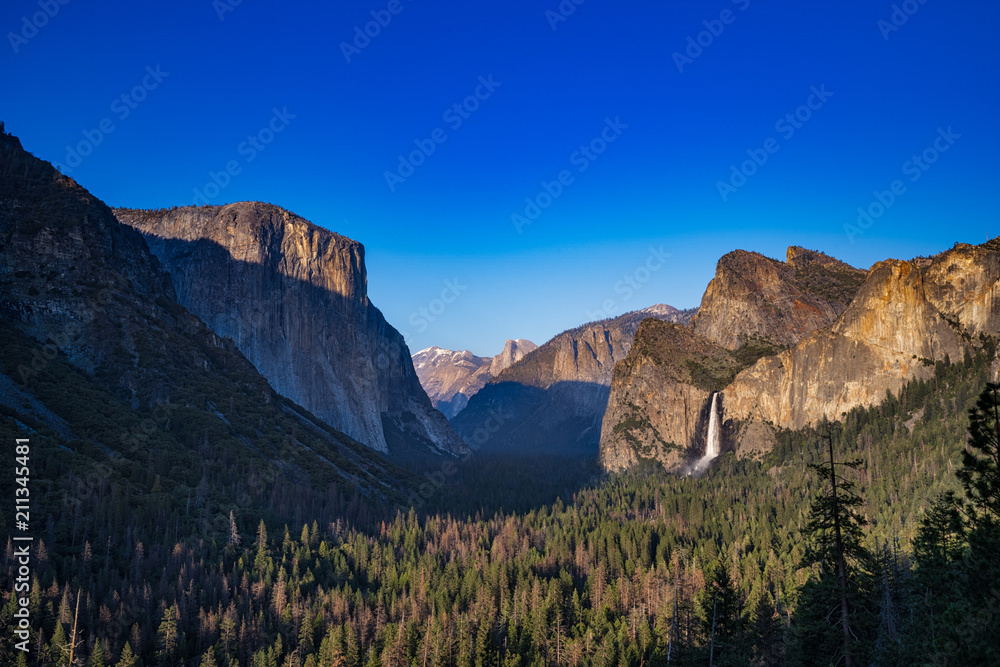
(113, 377)
(903, 318)
(554, 398)
(293, 297)
(660, 395)
(753, 297)
(512, 352)
(451, 378)
(906, 316)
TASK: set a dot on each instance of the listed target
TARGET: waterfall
(713, 437)
(712, 445)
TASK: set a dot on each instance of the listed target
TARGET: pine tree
(720, 612)
(829, 618)
(261, 560)
(167, 636)
(98, 657)
(234, 533)
(768, 645)
(980, 471)
(956, 574)
(127, 658)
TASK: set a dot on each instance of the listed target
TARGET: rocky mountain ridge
(554, 398)
(451, 378)
(112, 378)
(907, 316)
(825, 343)
(756, 297)
(293, 297)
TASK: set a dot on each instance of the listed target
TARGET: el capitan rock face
(756, 297)
(293, 297)
(451, 378)
(903, 318)
(554, 398)
(134, 384)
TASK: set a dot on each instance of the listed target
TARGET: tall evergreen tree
(720, 611)
(957, 570)
(980, 471)
(829, 627)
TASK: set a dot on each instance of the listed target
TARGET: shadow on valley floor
(489, 482)
(561, 419)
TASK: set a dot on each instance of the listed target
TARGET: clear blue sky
(654, 186)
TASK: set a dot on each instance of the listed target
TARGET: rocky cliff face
(906, 316)
(903, 317)
(554, 398)
(451, 378)
(660, 395)
(512, 352)
(97, 348)
(756, 297)
(293, 297)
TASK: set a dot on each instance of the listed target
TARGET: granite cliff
(907, 315)
(756, 297)
(807, 340)
(114, 380)
(293, 297)
(660, 394)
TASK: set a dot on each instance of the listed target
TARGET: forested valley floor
(544, 561)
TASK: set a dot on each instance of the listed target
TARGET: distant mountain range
(553, 399)
(257, 324)
(451, 378)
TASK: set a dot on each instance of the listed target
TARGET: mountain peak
(294, 298)
(754, 296)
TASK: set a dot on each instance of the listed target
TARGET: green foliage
(980, 471)
(954, 607)
(514, 574)
(832, 611)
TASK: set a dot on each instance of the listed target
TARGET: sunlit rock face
(756, 297)
(846, 343)
(293, 296)
(451, 378)
(906, 316)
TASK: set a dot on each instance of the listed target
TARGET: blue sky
(888, 95)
